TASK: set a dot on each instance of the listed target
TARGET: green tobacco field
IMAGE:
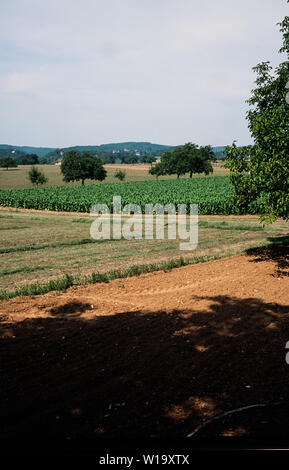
(213, 195)
(43, 251)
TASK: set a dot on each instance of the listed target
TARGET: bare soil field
(152, 357)
(126, 166)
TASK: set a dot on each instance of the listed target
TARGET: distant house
(60, 159)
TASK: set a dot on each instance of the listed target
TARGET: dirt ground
(126, 166)
(152, 356)
(46, 211)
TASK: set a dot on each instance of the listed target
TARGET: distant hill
(129, 147)
(141, 148)
(51, 154)
(40, 151)
(11, 152)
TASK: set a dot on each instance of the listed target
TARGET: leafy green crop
(213, 195)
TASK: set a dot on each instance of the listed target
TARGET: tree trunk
(191, 174)
(82, 182)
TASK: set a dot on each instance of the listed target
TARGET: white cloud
(16, 82)
(99, 70)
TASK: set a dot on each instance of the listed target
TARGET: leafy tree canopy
(120, 175)
(157, 170)
(29, 159)
(129, 159)
(149, 159)
(7, 162)
(189, 158)
(81, 166)
(36, 176)
(261, 172)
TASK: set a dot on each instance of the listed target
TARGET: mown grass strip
(137, 270)
(33, 247)
(225, 226)
(82, 220)
(24, 269)
(68, 280)
(15, 227)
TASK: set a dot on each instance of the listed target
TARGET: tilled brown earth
(152, 356)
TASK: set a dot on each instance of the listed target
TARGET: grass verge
(68, 280)
(225, 226)
(33, 247)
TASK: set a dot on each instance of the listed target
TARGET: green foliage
(79, 167)
(38, 289)
(107, 153)
(28, 159)
(106, 157)
(36, 176)
(120, 175)
(120, 149)
(172, 163)
(149, 159)
(129, 159)
(7, 162)
(11, 152)
(18, 151)
(261, 172)
(213, 195)
(157, 170)
(189, 158)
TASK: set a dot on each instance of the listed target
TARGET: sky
(89, 72)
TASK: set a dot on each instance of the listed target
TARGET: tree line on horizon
(7, 161)
(188, 158)
(79, 166)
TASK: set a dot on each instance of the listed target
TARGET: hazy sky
(97, 71)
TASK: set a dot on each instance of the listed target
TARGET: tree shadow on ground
(278, 252)
(143, 374)
(74, 308)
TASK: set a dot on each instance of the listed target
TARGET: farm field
(144, 306)
(18, 177)
(155, 356)
(213, 195)
(36, 247)
(119, 344)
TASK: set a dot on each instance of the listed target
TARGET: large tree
(157, 170)
(81, 166)
(188, 158)
(174, 163)
(260, 172)
(198, 159)
(7, 162)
